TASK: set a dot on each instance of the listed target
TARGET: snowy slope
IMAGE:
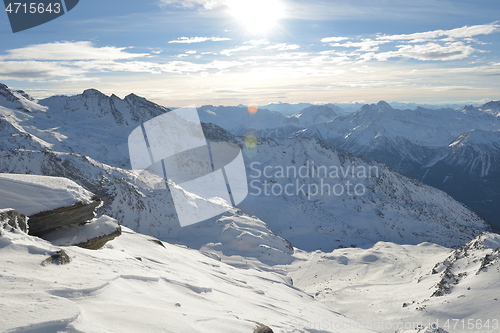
(392, 207)
(135, 284)
(451, 149)
(394, 287)
(153, 212)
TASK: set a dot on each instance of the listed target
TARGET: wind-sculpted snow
(135, 285)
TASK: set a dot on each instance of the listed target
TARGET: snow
(390, 285)
(136, 285)
(359, 261)
(31, 194)
(97, 227)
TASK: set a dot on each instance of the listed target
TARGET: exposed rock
(262, 329)
(77, 214)
(159, 242)
(98, 242)
(92, 235)
(58, 258)
(14, 219)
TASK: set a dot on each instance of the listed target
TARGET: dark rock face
(79, 213)
(15, 219)
(58, 258)
(97, 243)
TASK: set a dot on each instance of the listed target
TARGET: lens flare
(251, 142)
(252, 109)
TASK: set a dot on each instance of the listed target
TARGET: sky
(231, 52)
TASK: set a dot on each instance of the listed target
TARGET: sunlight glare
(256, 15)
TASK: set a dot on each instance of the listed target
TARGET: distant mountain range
(452, 149)
(84, 138)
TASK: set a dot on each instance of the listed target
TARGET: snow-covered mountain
(390, 208)
(453, 150)
(420, 143)
(136, 282)
(264, 123)
(354, 201)
(91, 124)
(287, 108)
(380, 240)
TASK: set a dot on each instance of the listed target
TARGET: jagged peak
(18, 99)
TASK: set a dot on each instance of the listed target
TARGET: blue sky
(233, 52)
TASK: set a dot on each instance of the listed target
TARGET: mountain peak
(17, 99)
(384, 105)
(92, 92)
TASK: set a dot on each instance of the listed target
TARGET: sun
(257, 15)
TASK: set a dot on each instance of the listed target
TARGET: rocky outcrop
(58, 258)
(14, 219)
(92, 235)
(98, 242)
(262, 329)
(77, 214)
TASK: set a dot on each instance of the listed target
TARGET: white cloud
(70, 51)
(257, 42)
(190, 40)
(367, 45)
(207, 4)
(283, 47)
(229, 52)
(191, 52)
(463, 32)
(37, 71)
(429, 51)
(333, 39)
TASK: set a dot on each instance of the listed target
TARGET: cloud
(440, 45)
(190, 40)
(70, 51)
(429, 51)
(251, 44)
(73, 61)
(206, 4)
(283, 47)
(229, 52)
(463, 32)
(367, 45)
(333, 39)
(36, 71)
(257, 42)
